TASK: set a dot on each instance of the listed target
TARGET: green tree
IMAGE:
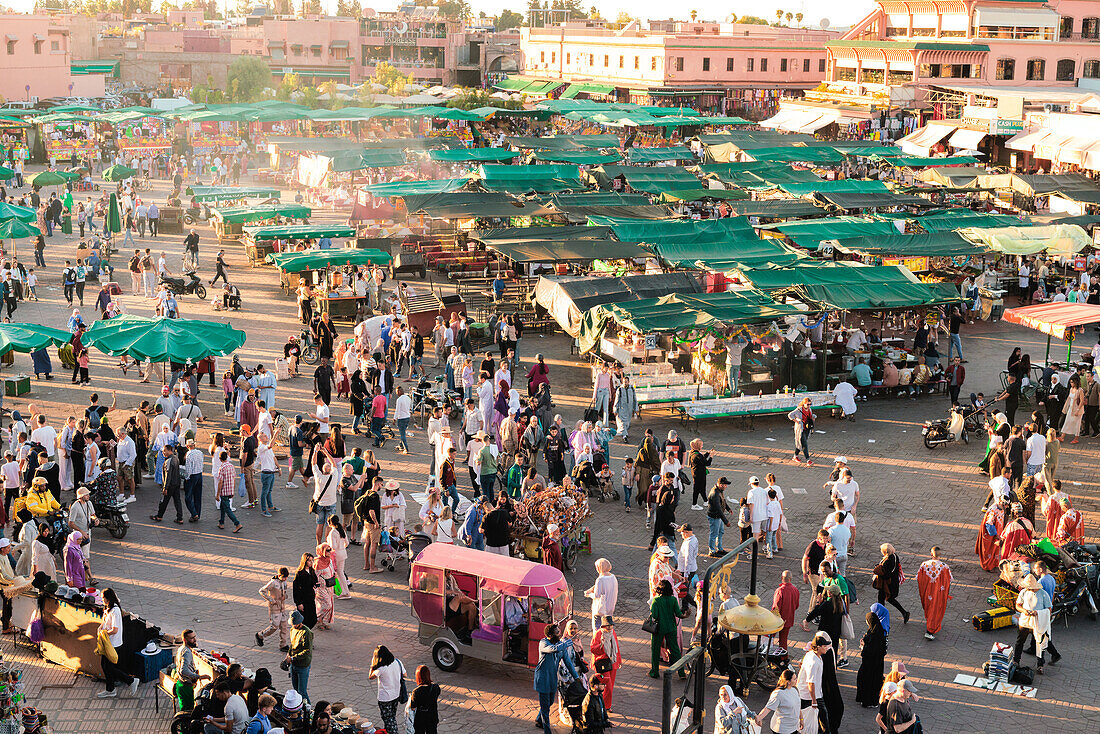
(248, 77)
(459, 9)
(694, 13)
(779, 16)
(790, 17)
(283, 7)
(798, 18)
(387, 75)
(537, 20)
(312, 7)
(469, 99)
(752, 20)
(508, 19)
(289, 85)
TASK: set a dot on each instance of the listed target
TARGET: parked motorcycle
(310, 353)
(942, 431)
(192, 285)
(112, 516)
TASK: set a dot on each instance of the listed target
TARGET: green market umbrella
(6, 173)
(14, 229)
(30, 337)
(22, 213)
(164, 340)
(114, 216)
(118, 172)
(52, 178)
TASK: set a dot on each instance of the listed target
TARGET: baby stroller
(572, 699)
(414, 543)
(390, 549)
(584, 476)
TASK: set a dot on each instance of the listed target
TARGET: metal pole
(1046, 361)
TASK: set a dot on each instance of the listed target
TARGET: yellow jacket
(42, 503)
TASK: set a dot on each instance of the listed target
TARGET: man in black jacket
(171, 487)
(698, 461)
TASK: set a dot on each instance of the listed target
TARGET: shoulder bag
(651, 625)
(317, 496)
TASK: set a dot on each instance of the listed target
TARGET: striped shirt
(226, 480)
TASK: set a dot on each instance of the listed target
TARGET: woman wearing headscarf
(660, 568)
(665, 609)
(873, 652)
(326, 570)
(500, 407)
(830, 690)
(74, 561)
(606, 656)
(543, 401)
(828, 613)
(358, 398)
(537, 376)
(730, 713)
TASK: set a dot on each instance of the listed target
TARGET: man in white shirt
(402, 414)
(265, 422)
(269, 468)
(1035, 452)
(320, 413)
(435, 429)
(45, 436)
(125, 453)
(758, 507)
(846, 490)
(187, 416)
(688, 558)
(857, 341)
(809, 683)
(10, 472)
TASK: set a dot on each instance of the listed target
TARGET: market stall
(14, 145)
(1056, 320)
(67, 137)
(327, 273)
(262, 241)
(229, 223)
(138, 134)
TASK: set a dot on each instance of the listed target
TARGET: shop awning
(1048, 147)
(719, 256)
(795, 154)
(466, 155)
(245, 214)
(358, 160)
(1054, 318)
(83, 68)
(545, 178)
(1025, 142)
(652, 180)
(577, 157)
(940, 244)
(467, 205)
(1073, 150)
(412, 188)
(578, 207)
(338, 44)
(301, 232)
(572, 91)
(843, 186)
(678, 312)
(567, 298)
(549, 251)
(510, 84)
(227, 193)
(847, 286)
(845, 200)
(777, 208)
(953, 219)
(699, 193)
(921, 141)
(1056, 239)
(653, 155)
(296, 262)
(967, 139)
(726, 229)
(809, 233)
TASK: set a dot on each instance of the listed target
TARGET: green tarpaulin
(689, 230)
(578, 158)
(752, 252)
(578, 207)
(796, 154)
(510, 84)
(299, 232)
(467, 155)
(541, 233)
(411, 188)
(952, 219)
(545, 178)
(809, 233)
(1057, 239)
(163, 340)
(844, 186)
(652, 155)
(118, 172)
(346, 161)
(855, 200)
(549, 251)
(696, 194)
(565, 142)
(953, 177)
(777, 208)
(245, 214)
(652, 180)
(847, 286)
(296, 262)
(17, 229)
(913, 161)
(226, 193)
(940, 244)
(466, 205)
(25, 337)
(14, 211)
(487, 112)
(683, 312)
(757, 175)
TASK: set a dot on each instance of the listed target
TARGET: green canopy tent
(296, 262)
(653, 155)
(777, 208)
(1055, 239)
(809, 233)
(578, 207)
(51, 178)
(795, 154)
(757, 175)
(565, 142)
(567, 250)
(726, 229)
(467, 205)
(413, 188)
(114, 214)
(118, 172)
(683, 312)
(13, 211)
(951, 219)
(843, 186)
(577, 157)
(26, 337)
(357, 160)
(939, 244)
(649, 179)
(17, 229)
(299, 232)
(186, 341)
(540, 179)
(699, 193)
(6, 173)
(752, 252)
(847, 286)
(472, 155)
(873, 200)
(246, 214)
(214, 194)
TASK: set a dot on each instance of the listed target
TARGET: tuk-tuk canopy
(296, 262)
(245, 214)
(511, 576)
(299, 232)
(231, 193)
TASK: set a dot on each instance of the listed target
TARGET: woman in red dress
(1017, 532)
(989, 532)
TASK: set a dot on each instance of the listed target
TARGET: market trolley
(325, 271)
(261, 241)
(229, 222)
(206, 199)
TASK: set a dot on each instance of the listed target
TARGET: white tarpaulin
(313, 169)
(921, 141)
(963, 138)
(1025, 142)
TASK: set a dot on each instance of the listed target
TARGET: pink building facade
(35, 60)
(734, 66)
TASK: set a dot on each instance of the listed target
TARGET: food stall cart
(260, 242)
(229, 223)
(326, 271)
(139, 135)
(13, 141)
(67, 135)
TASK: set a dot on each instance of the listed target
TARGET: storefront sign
(915, 264)
(1005, 127)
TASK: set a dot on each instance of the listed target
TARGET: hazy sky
(838, 12)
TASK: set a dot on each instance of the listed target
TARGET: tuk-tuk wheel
(446, 657)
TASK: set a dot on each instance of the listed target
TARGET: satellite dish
(824, 23)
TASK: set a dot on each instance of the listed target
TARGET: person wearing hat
(899, 713)
(300, 655)
(39, 500)
(551, 547)
(292, 710)
(8, 580)
(81, 519)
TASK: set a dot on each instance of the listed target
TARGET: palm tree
(694, 13)
(790, 17)
(778, 16)
(798, 18)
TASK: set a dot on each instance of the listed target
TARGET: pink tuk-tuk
(487, 606)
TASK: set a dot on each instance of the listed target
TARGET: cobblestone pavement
(196, 576)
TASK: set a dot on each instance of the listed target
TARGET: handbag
(591, 413)
(846, 630)
(330, 581)
(650, 625)
(403, 696)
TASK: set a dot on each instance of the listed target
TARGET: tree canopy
(248, 77)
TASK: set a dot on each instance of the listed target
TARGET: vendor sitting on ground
(461, 611)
